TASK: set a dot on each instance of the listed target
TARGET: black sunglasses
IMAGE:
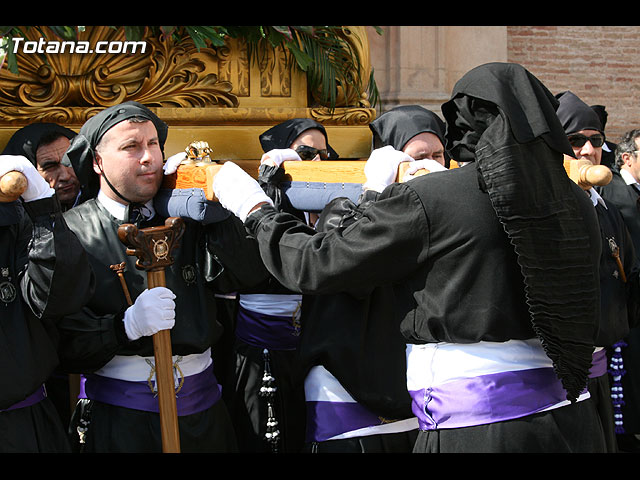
(577, 140)
(309, 153)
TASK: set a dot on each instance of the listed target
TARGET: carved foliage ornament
(156, 72)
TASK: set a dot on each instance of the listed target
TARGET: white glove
(37, 187)
(381, 168)
(279, 155)
(237, 191)
(426, 164)
(171, 165)
(153, 310)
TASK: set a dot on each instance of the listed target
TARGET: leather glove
(153, 310)
(279, 155)
(237, 191)
(37, 187)
(426, 163)
(381, 168)
(171, 165)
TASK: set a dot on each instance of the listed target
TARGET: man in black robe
(118, 158)
(44, 145)
(624, 192)
(411, 129)
(618, 269)
(464, 249)
(268, 408)
(351, 351)
(44, 274)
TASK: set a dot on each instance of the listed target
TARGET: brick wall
(600, 64)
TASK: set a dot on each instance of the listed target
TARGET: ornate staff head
(152, 246)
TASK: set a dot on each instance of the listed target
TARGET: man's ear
(97, 164)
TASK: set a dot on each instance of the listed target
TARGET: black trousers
(575, 428)
(114, 429)
(34, 429)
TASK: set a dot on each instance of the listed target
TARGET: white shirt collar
(627, 177)
(596, 198)
(117, 209)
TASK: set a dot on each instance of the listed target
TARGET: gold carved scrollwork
(343, 116)
(216, 91)
(165, 75)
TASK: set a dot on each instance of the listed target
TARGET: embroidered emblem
(8, 292)
(189, 274)
(160, 248)
(178, 376)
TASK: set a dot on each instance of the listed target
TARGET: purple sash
(487, 398)
(198, 392)
(327, 419)
(599, 364)
(269, 331)
(37, 396)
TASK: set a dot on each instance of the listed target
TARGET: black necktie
(139, 215)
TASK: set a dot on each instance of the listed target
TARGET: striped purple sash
(487, 398)
(326, 420)
(198, 392)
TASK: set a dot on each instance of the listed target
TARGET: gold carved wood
(213, 95)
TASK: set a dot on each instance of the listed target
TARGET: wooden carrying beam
(586, 174)
(12, 185)
(200, 174)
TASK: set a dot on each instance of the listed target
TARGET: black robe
(437, 240)
(216, 258)
(44, 274)
(627, 199)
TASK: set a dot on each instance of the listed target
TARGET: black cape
(504, 119)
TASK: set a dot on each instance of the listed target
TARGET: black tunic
(44, 274)
(627, 199)
(436, 238)
(216, 258)
(438, 241)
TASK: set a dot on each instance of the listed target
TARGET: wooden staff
(12, 185)
(119, 269)
(153, 247)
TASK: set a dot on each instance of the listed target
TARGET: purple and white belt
(129, 381)
(462, 385)
(37, 396)
(269, 321)
(333, 414)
